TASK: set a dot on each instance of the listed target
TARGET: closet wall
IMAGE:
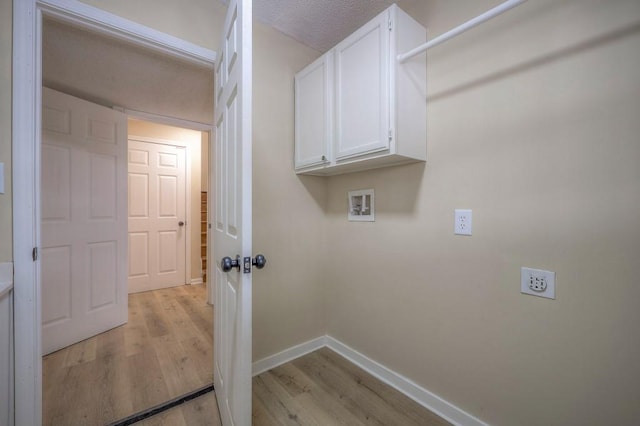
(533, 124)
(288, 211)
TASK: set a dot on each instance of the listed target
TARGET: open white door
(232, 230)
(84, 220)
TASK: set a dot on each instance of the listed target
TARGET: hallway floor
(164, 351)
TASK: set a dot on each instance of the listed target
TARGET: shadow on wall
(391, 198)
(316, 186)
(538, 62)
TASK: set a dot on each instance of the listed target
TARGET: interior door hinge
(390, 25)
(390, 135)
(34, 254)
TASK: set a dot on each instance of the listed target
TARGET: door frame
(26, 140)
(187, 195)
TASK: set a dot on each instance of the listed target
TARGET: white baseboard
(422, 396)
(196, 281)
(266, 364)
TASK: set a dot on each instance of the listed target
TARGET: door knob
(259, 261)
(228, 263)
(181, 223)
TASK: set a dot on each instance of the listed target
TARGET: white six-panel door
(84, 220)
(157, 217)
(232, 222)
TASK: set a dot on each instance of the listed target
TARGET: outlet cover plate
(462, 222)
(538, 282)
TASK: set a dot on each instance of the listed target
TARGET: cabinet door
(314, 92)
(362, 90)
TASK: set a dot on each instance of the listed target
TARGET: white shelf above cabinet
(357, 107)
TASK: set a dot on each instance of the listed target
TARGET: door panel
(157, 205)
(84, 226)
(232, 235)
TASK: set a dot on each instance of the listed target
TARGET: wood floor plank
(110, 374)
(179, 370)
(400, 403)
(156, 323)
(336, 385)
(200, 313)
(202, 411)
(148, 387)
(201, 352)
(365, 397)
(279, 403)
(260, 415)
(136, 333)
(84, 351)
(323, 405)
(179, 321)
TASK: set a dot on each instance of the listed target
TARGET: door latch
(259, 261)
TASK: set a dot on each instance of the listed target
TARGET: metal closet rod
(509, 4)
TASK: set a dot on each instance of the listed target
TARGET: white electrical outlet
(462, 222)
(538, 282)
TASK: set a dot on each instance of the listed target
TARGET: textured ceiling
(319, 24)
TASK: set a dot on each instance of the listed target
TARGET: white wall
(111, 72)
(533, 122)
(199, 23)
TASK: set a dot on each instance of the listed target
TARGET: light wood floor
(164, 351)
(323, 388)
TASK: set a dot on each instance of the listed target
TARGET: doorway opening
(166, 348)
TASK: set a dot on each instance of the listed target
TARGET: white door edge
(26, 106)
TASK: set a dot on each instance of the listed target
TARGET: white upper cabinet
(357, 108)
(362, 90)
(313, 131)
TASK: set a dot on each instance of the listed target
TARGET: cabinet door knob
(324, 158)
